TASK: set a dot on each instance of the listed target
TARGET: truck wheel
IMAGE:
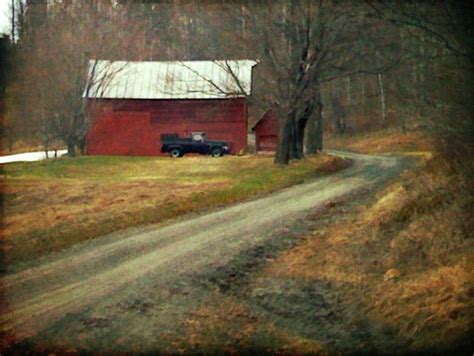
(175, 153)
(216, 152)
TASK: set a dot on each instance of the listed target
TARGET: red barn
(133, 103)
(266, 132)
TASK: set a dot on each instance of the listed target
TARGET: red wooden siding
(133, 127)
(266, 132)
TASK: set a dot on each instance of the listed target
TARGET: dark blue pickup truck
(197, 143)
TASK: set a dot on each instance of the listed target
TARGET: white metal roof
(169, 80)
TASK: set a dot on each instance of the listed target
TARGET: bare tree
(304, 44)
(55, 53)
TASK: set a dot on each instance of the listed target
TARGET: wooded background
(325, 66)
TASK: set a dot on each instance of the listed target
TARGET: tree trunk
(300, 127)
(319, 131)
(282, 155)
(81, 143)
(340, 123)
(349, 94)
(339, 115)
(362, 95)
(11, 140)
(382, 101)
(315, 127)
(292, 148)
(310, 135)
(71, 146)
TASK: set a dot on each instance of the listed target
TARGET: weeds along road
(42, 297)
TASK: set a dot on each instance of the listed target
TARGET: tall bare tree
(302, 45)
(55, 53)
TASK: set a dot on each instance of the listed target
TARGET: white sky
(4, 21)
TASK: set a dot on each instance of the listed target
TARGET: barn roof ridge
(178, 60)
(199, 79)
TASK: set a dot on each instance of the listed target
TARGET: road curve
(38, 296)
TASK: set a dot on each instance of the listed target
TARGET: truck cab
(196, 143)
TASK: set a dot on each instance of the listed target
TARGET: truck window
(198, 136)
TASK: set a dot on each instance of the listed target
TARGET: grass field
(50, 205)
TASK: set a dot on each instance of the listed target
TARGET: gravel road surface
(140, 263)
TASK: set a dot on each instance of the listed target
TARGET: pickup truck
(196, 143)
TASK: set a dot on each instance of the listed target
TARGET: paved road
(30, 156)
(40, 296)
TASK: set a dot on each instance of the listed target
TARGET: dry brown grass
(50, 205)
(385, 141)
(421, 226)
(47, 204)
(224, 324)
(432, 308)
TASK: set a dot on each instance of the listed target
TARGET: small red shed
(266, 132)
(133, 103)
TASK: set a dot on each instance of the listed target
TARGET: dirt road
(91, 291)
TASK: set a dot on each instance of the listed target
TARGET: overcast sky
(4, 22)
